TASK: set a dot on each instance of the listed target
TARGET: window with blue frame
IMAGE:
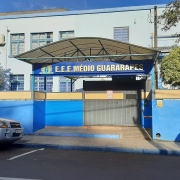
(17, 44)
(41, 39)
(39, 83)
(121, 34)
(65, 85)
(17, 82)
(66, 34)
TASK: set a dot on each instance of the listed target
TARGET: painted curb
(101, 149)
(82, 135)
(151, 151)
(51, 146)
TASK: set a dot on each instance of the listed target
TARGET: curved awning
(87, 49)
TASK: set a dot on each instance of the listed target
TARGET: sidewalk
(109, 139)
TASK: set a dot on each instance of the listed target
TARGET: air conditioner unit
(2, 39)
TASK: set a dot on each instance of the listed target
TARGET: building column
(56, 86)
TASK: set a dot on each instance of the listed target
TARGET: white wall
(101, 25)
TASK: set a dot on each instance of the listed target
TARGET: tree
(170, 68)
(170, 65)
(171, 17)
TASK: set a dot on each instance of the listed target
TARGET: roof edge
(79, 12)
(101, 38)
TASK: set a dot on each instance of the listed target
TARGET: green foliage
(170, 68)
(171, 16)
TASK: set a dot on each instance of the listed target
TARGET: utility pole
(155, 27)
(155, 47)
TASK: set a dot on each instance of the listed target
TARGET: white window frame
(46, 40)
(17, 80)
(65, 80)
(66, 33)
(121, 34)
(18, 42)
(38, 80)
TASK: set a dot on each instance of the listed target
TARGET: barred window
(17, 82)
(39, 83)
(17, 44)
(66, 34)
(121, 34)
(41, 39)
(65, 84)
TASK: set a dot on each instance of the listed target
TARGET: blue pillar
(142, 112)
(71, 84)
(44, 83)
(32, 81)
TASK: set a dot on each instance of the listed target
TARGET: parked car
(10, 130)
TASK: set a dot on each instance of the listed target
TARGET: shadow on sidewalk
(164, 147)
(177, 140)
(167, 147)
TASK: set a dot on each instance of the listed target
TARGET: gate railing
(15, 95)
(104, 96)
(167, 94)
(63, 96)
(37, 95)
(146, 95)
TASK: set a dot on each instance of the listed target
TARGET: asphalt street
(53, 164)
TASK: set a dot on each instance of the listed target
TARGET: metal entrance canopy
(82, 49)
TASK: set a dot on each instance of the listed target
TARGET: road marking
(6, 178)
(25, 154)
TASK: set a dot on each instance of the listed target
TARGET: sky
(24, 5)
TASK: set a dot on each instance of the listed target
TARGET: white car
(10, 130)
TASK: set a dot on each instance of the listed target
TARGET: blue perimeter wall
(35, 115)
(39, 115)
(21, 111)
(64, 113)
(166, 120)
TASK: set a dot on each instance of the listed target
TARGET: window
(17, 82)
(65, 85)
(66, 34)
(121, 34)
(41, 39)
(17, 44)
(39, 84)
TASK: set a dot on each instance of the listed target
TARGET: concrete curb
(82, 135)
(101, 149)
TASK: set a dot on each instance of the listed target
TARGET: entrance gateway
(116, 102)
(111, 111)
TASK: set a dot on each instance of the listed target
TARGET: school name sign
(95, 68)
(100, 68)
